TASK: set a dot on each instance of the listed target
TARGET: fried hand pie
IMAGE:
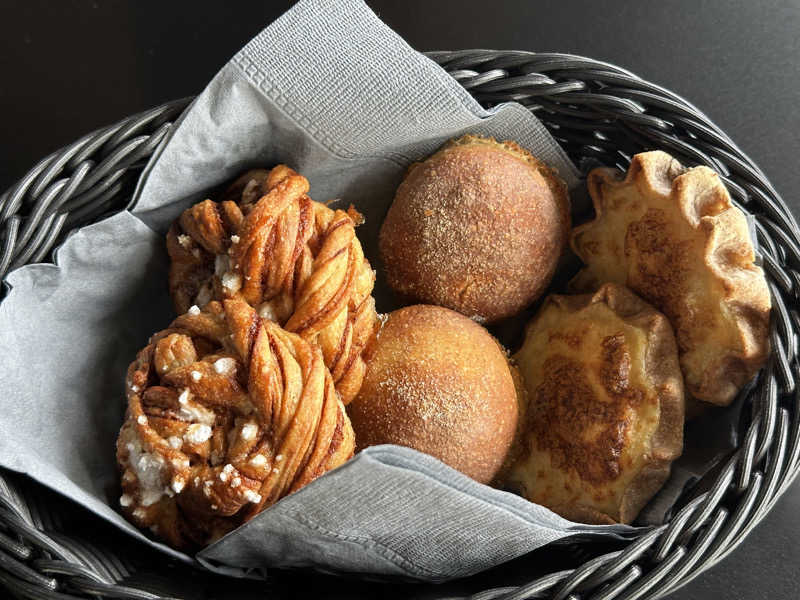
(605, 406)
(673, 236)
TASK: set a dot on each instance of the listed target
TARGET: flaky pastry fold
(227, 413)
(298, 262)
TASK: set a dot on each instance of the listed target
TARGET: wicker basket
(51, 549)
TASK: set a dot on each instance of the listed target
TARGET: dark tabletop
(69, 67)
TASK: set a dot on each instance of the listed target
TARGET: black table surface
(69, 67)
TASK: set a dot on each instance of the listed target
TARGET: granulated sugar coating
(478, 227)
(439, 383)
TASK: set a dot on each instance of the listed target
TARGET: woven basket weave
(596, 111)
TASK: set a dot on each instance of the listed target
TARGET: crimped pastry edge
(667, 439)
(657, 172)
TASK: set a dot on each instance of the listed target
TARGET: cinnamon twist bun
(298, 262)
(227, 413)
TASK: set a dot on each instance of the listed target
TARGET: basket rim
(80, 182)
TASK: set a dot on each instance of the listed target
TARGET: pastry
(439, 383)
(605, 406)
(672, 235)
(478, 227)
(298, 262)
(227, 413)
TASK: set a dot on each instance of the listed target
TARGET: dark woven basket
(49, 549)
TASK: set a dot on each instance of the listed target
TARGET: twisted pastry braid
(298, 262)
(227, 413)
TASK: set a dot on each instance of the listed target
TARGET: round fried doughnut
(441, 384)
(478, 227)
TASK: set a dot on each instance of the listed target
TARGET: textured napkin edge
(248, 58)
(29, 275)
(243, 66)
(144, 176)
(555, 527)
(420, 463)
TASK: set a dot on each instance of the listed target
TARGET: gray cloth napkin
(331, 91)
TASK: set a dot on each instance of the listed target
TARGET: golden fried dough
(439, 383)
(477, 227)
(605, 406)
(672, 236)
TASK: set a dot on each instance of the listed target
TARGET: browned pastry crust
(227, 413)
(478, 227)
(673, 236)
(439, 383)
(605, 406)
(297, 261)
